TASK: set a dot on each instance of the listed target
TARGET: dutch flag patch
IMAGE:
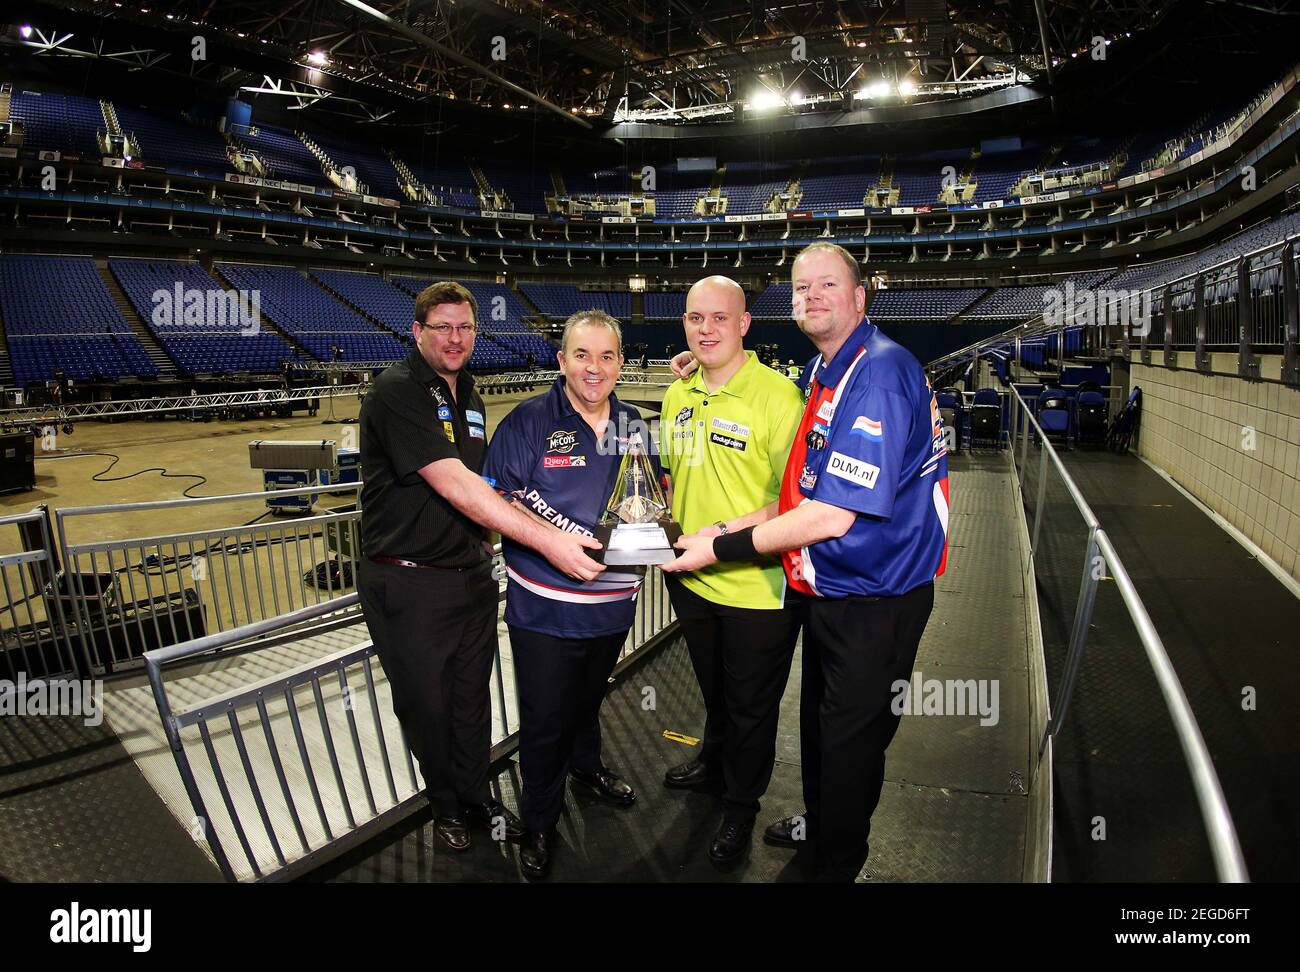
(869, 427)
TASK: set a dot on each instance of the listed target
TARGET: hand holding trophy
(636, 528)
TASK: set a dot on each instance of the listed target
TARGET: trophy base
(636, 545)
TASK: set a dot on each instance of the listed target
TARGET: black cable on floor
(161, 470)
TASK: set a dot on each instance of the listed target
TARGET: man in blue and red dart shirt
(862, 528)
(558, 455)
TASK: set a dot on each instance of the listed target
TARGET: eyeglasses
(442, 330)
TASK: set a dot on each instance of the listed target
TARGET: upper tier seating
(167, 139)
(57, 122)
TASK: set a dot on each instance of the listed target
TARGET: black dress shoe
(489, 813)
(606, 785)
(454, 831)
(691, 774)
(731, 841)
(535, 853)
(781, 832)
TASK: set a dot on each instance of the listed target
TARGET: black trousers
(561, 684)
(435, 632)
(742, 660)
(854, 650)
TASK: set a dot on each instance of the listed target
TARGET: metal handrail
(1089, 517)
(1224, 846)
(1228, 860)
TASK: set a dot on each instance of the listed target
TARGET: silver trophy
(636, 528)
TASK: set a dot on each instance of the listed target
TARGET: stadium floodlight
(875, 90)
(317, 57)
(765, 99)
(906, 88)
(25, 31)
(796, 98)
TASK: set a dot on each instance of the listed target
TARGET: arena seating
(58, 313)
(375, 296)
(1025, 303)
(285, 155)
(527, 186)
(838, 183)
(607, 183)
(311, 316)
(995, 173)
(167, 139)
(773, 303)
(558, 301)
(454, 184)
(748, 186)
(373, 169)
(665, 306)
(68, 123)
(920, 177)
(922, 304)
(677, 192)
(210, 346)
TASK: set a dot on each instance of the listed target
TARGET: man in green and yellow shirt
(725, 434)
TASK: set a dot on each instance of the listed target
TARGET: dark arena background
(1082, 218)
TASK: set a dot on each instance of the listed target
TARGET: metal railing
(289, 771)
(1247, 305)
(140, 592)
(33, 636)
(1100, 559)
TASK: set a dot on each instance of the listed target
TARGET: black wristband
(735, 546)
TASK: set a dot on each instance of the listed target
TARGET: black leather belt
(399, 562)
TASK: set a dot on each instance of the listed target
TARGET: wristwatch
(722, 527)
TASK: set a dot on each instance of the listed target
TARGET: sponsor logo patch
(473, 417)
(684, 415)
(476, 432)
(730, 427)
(729, 441)
(826, 411)
(561, 441)
(444, 412)
(807, 478)
(873, 429)
(854, 470)
(563, 462)
(450, 429)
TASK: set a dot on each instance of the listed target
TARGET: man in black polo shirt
(426, 585)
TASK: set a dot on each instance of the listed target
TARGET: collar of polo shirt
(829, 375)
(738, 384)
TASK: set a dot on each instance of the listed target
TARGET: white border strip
(1252, 548)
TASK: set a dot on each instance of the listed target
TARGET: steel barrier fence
(274, 804)
(142, 592)
(34, 639)
(1079, 527)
